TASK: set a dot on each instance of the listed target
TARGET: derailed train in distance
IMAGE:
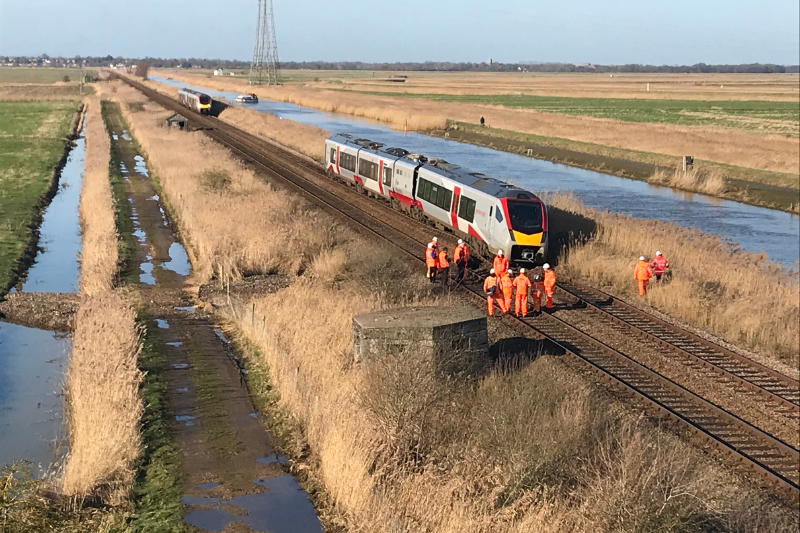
(488, 213)
(194, 100)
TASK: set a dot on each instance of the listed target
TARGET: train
(489, 214)
(194, 100)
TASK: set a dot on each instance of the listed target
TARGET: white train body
(490, 214)
(196, 101)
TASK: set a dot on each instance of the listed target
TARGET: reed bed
(103, 403)
(99, 256)
(716, 285)
(740, 148)
(711, 183)
(526, 446)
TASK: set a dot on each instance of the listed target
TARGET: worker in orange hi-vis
(443, 265)
(522, 285)
(461, 258)
(549, 285)
(490, 288)
(435, 243)
(500, 263)
(537, 292)
(642, 273)
(430, 262)
(507, 286)
(659, 265)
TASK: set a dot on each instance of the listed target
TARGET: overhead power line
(264, 68)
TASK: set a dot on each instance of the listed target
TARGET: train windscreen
(526, 216)
(205, 99)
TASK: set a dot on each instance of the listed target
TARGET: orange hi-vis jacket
(430, 257)
(641, 271)
(500, 265)
(549, 281)
(507, 285)
(461, 253)
(491, 281)
(538, 288)
(443, 262)
(659, 264)
(522, 284)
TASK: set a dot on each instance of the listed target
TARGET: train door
(499, 231)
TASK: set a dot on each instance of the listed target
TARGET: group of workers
(501, 286)
(438, 262)
(643, 271)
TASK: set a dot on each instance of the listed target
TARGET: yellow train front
(195, 100)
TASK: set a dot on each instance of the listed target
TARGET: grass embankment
(32, 137)
(524, 447)
(737, 295)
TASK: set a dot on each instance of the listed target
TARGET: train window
(368, 169)
(333, 155)
(347, 161)
(466, 209)
(435, 194)
(498, 215)
(526, 217)
(387, 176)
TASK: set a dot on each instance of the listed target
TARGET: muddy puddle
(756, 229)
(33, 361)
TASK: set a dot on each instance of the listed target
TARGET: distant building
(489, 62)
(219, 72)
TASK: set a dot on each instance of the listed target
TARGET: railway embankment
(530, 445)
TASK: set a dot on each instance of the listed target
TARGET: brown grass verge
(99, 255)
(745, 149)
(716, 286)
(103, 401)
(527, 447)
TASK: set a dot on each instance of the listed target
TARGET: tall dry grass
(716, 286)
(103, 403)
(711, 183)
(740, 148)
(527, 447)
(99, 255)
(309, 140)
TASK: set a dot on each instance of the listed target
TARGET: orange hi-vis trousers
(642, 286)
(537, 301)
(490, 304)
(548, 297)
(521, 304)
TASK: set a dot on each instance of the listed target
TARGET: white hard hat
(641, 258)
(499, 252)
(460, 241)
(546, 266)
(510, 272)
(430, 245)
(658, 253)
(491, 271)
(521, 270)
(435, 239)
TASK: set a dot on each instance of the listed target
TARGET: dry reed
(525, 448)
(99, 255)
(103, 403)
(740, 148)
(716, 286)
(711, 183)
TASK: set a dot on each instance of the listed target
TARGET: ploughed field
(31, 143)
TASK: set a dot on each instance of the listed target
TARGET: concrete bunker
(456, 337)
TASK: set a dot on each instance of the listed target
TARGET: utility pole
(264, 68)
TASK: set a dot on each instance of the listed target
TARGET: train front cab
(204, 104)
(527, 226)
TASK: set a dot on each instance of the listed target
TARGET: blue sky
(579, 31)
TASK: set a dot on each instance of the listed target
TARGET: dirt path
(232, 478)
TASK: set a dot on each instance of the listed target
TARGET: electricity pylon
(264, 68)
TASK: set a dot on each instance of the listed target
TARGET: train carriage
(197, 101)
(489, 213)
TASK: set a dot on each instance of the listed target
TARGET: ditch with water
(755, 229)
(33, 361)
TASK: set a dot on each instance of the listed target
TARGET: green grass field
(31, 143)
(774, 117)
(41, 75)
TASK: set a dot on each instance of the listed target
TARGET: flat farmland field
(31, 143)
(40, 75)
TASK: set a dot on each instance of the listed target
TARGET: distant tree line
(427, 66)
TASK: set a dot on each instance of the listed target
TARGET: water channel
(756, 229)
(33, 361)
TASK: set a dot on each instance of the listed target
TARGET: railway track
(775, 461)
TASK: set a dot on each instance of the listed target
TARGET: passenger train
(195, 101)
(487, 213)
